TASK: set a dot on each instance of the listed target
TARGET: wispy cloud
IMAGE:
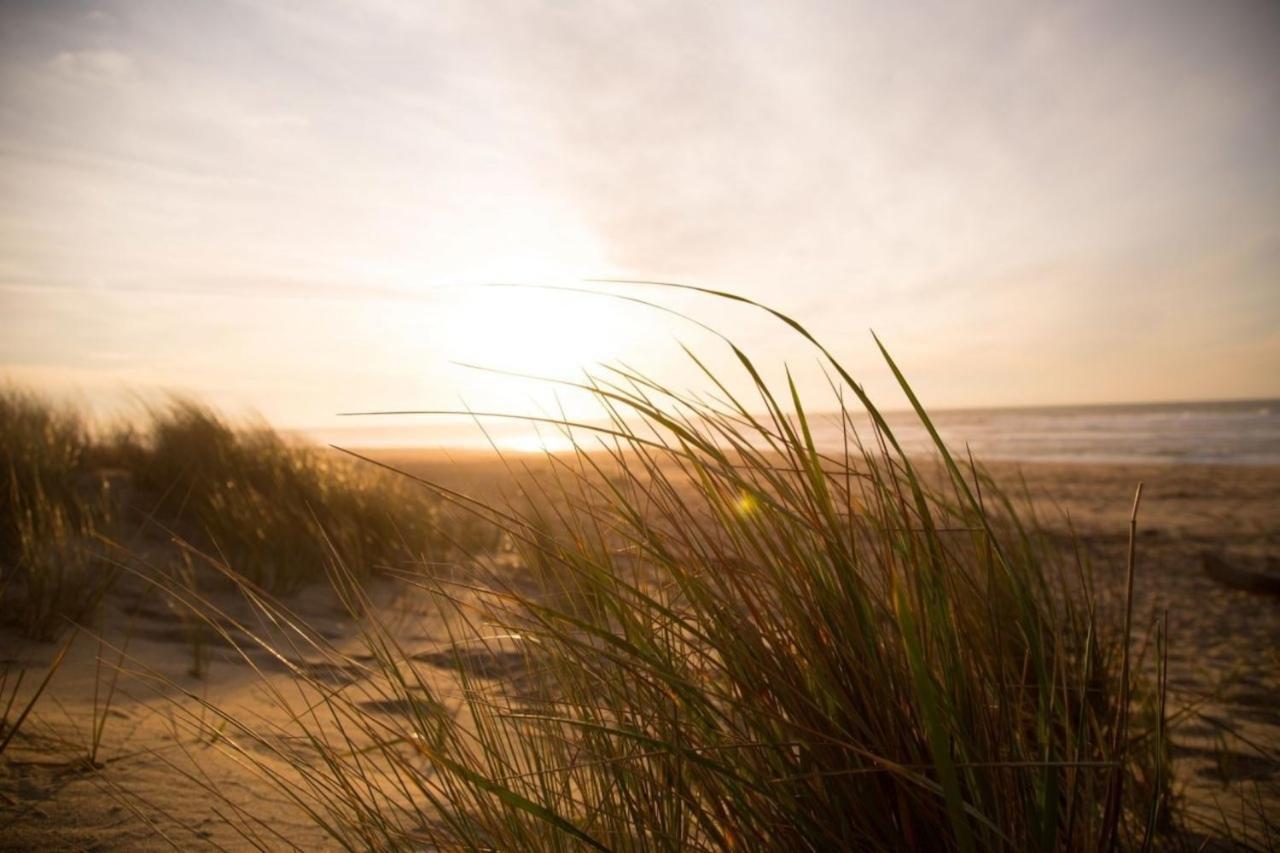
(92, 66)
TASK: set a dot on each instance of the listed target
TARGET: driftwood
(1249, 580)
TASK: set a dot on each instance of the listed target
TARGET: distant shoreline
(1230, 433)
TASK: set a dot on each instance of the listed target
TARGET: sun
(534, 330)
(531, 343)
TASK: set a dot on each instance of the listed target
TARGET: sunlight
(535, 331)
(536, 444)
(746, 504)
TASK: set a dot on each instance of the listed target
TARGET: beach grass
(78, 505)
(51, 510)
(275, 511)
(713, 635)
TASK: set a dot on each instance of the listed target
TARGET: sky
(292, 207)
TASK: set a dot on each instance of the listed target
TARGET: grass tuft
(718, 636)
(75, 506)
(52, 570)
(274, 511)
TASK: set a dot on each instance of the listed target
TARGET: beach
(640, 426)
(154, 765)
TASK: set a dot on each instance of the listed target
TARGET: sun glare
(534, 330)
(543, 443)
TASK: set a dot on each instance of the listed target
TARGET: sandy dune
(150, 788)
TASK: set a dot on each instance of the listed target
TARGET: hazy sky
(272, 203)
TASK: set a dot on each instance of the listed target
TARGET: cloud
(92, 66)
(920, 169)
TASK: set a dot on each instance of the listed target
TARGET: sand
(148, 789)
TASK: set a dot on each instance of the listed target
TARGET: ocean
(1244, 432)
